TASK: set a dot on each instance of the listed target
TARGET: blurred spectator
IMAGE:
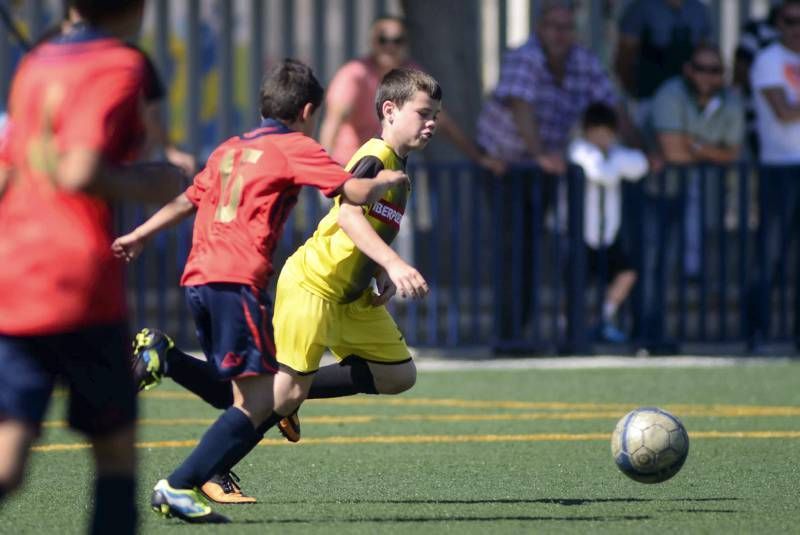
(605, 164)
(656, 38)
(775, 80)
(350, 117)
(696, 119)
(544, 87)
(756, 35)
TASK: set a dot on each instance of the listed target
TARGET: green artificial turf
(517, 451)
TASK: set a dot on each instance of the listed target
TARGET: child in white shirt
(605, 164)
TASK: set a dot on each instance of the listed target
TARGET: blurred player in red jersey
(74, 120)
(242, 200)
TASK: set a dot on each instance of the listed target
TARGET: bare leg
(620, 288)
(15, 443)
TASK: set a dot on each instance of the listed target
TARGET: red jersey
(243, 198)
(81, 90)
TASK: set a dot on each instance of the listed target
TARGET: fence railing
(715, 250)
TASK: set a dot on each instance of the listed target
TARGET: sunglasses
(386, 40)
(706, 69)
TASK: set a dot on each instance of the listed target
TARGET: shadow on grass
(544, 501)
(557, 501)
(715, 511)
(416, 519)
(495, 518)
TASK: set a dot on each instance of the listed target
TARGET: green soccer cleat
(289, 427)
(185, 504)
(150, 348)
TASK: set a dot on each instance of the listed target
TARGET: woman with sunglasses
(350, 115)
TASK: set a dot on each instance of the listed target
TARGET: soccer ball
(649, 445)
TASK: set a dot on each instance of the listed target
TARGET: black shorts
(93, 365)
(610, 263)
(234, 326)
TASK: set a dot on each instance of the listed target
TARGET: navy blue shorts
(93, 365)
(234, 326)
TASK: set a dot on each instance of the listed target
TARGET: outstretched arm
(130, 245)
(408, 280)
(368, 190)
(83, 169)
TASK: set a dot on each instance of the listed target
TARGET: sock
(114, 506)
(233, 460)
(231, 437)
(349, 377)
(198, 377)
(609, 311)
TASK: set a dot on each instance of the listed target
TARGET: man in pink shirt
(350, 116)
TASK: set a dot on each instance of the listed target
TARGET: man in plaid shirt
(545, 85)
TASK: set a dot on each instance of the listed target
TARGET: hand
(385, 289)
(552, 163)
(408, 280)
(128, 246)
(496, 166)
(184, 160)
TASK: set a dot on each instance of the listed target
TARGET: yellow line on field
(680, 408)
(437, 439)
(730, 412)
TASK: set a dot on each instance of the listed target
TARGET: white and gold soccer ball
(649, 445)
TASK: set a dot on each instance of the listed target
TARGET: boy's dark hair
(600, 114)
(288, 87)
(400, 85)
(99, 10)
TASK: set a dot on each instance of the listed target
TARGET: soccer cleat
(150, 348)
(224, 488)
(290, 427)
(185, 504)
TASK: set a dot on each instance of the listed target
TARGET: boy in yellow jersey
(325, 299)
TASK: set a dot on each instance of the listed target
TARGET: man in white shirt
(775, 79)
(605, 164)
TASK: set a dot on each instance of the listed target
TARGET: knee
(398, 381)
(292, 396)
(291, 389)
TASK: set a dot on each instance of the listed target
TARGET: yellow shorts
(306, 325)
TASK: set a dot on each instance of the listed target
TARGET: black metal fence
(715, 250)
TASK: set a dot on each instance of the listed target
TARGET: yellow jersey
(329, 264)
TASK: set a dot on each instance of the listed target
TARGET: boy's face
(413, 124)
(601, 136)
